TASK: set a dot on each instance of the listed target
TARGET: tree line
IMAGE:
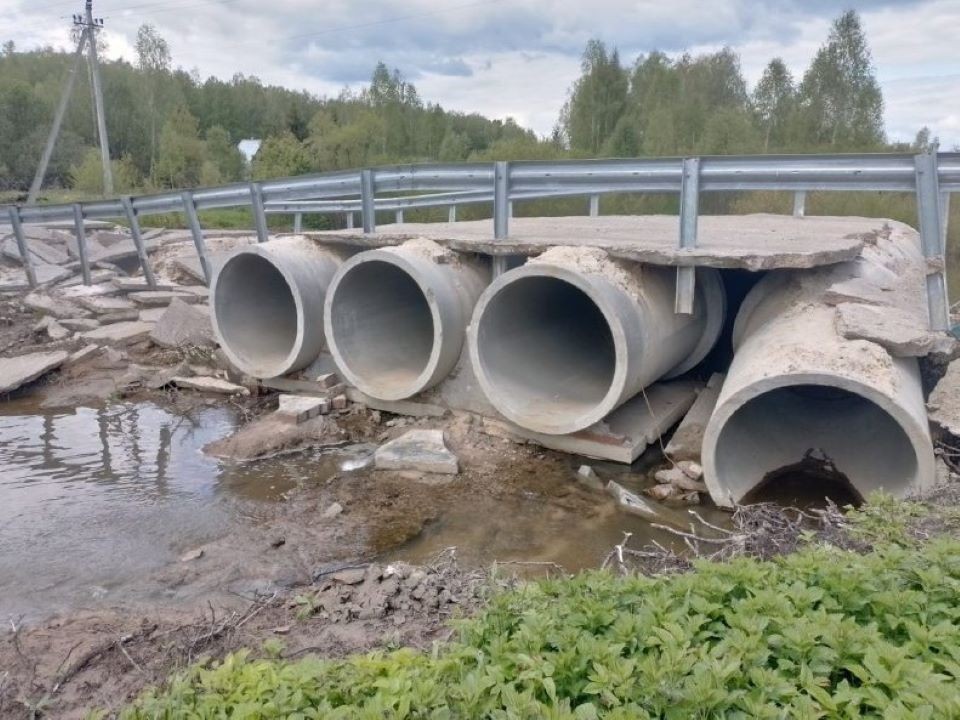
(169, 128)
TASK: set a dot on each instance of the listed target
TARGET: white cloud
(518, 57)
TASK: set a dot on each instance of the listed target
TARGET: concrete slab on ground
(121, 332)
(158, 298)
(944, 402)
(752, 242)
(419, 450)
(17, 371)
(687, 439)
(625, 433)
(300, 408)
(209, 384)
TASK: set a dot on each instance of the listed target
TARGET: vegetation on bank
(821, 633)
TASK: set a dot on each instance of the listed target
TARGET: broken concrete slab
(635, 505)
(121, 332)
(99, 289)
(300, 387)
(151, 314)
(157, 298)
(80, 324)
(209, 384)
(39, 252)
(84, 353)
(18, 371)
(48, 305)
(300, 408)
(138, 285)
(97, 277)
(626, 432)
(182, 324)
(116, 316)
(419, 450)
(899, 330)
(51, 328)
(687, 439)
(99, 304)
(46, 274)
(944, 402)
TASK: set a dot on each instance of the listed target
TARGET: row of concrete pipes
(561, 341)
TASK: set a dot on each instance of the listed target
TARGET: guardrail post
(800, 203)
(193, 220)
(298, 222)
(931, 239)
(368, 209)
(137, 236)
(398, 218)
(501, 211)
(81, 242)
(452, 214)
(22, 246)
(689, 210)
(259, 216)
(944, 220)
(594, 205)
(350, 220)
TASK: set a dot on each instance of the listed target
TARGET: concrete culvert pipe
(396, 318)
(799, 395)
(267, 305)
(560, 342)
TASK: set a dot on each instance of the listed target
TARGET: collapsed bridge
(596, 335)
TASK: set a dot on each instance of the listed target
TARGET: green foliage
(181, 153)
(87, 177)
(820, 634)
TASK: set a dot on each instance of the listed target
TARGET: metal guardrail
(931, 176)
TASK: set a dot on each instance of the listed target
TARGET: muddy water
(95, 502)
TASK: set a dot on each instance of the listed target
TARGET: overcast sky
(518, 57)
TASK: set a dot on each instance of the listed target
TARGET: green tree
(839, 96)
(153, 60)
(225, 157)
(87, 176)
(773, 102)
(597, 100)
(180, 152)
(280, 156)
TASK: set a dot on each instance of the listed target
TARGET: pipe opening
(256, 311)
(806, 484)
(546, 349)
(798, 438)
(382, 326)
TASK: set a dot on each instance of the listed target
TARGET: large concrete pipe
(395, 318)
(267, 305)
(804, 404)
(562, 341)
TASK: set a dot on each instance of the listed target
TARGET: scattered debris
(944, 402)
(209, 384)
(84, 353)
(332, 511)
(422, 450)
(677, 478)
(588, 477)
(635, 505)
(51, 328)
(159, 298)
(192, 555)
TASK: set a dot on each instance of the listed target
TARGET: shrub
(823, 633)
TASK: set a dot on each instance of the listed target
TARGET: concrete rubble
(687, 439)
(17, 371)
(120, 333)
(944, 402)
(633, 504)
(418, 450)
(300, 408)
(182, 324)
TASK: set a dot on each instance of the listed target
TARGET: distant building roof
(249, 148)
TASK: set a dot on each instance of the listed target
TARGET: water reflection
(93, 498)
